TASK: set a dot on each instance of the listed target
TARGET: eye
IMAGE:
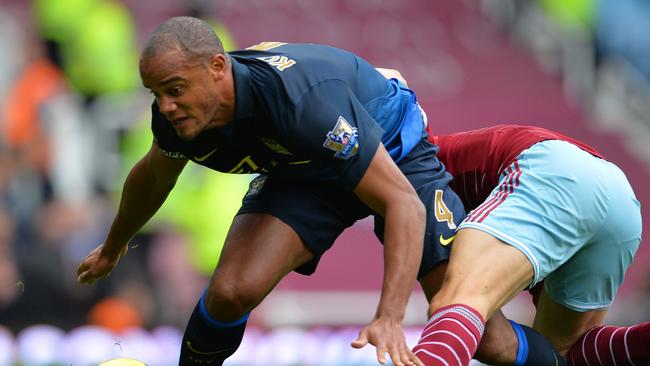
(176, 91)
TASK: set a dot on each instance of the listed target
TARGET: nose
(166, 105)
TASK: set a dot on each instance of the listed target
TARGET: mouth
(177, 122)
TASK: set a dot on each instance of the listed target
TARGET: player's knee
(451, 292)
(230, 301)
(454, 295)
(439, 300)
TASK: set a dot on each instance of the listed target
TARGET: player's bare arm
(146, 188)
(386, 190)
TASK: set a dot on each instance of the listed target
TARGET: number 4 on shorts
(442, 212)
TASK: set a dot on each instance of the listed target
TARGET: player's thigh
(281, 227)
(563, 326)
(259, 250)
(483, 272)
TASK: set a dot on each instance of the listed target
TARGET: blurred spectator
(11, 51)
(115, 314)
(27, 141)
(622, 32)
(9, 283)
(572, 14)
(57, 22)
(571, 32)
(94, 42)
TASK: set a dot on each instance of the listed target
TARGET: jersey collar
(243, 90)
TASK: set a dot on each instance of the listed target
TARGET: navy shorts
(320, 211)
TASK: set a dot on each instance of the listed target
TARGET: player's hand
(387, 336)
(98, 264)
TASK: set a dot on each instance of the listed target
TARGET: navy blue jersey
(305, 112)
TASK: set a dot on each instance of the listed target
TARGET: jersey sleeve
(164, 135)
(331, 124)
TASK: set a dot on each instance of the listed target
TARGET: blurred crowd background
(74, 118)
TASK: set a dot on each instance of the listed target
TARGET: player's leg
(444, 212)
(281, 227)
(260, 249)
(564, 326)
(473, 288)
(499, 344)
(586, 341)
(523, 231)
(504, 342)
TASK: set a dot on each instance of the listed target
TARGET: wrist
(111, 250)
(389, 314)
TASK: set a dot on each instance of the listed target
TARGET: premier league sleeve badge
(343, 139)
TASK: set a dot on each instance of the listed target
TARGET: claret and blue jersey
(306, 112)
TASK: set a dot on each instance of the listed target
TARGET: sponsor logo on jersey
(275, 146)
(343, 139)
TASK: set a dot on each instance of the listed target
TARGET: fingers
(402, 356)
(361, 341)
(381, 355)
(85, 277)
(89, 278)
(389, 341)
(83, 267)
(86, 272)
(407, 356)
(398, 351)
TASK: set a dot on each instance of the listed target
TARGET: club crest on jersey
(343, 139)
(255, 186)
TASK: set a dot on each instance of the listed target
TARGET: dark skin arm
(386, 191)
(145, 190)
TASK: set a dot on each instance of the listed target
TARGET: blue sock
(534, 349)
(208, 341)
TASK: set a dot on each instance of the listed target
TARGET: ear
(218, 66)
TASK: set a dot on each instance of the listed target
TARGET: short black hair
(193, 37)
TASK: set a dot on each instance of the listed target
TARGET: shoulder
(295, 68)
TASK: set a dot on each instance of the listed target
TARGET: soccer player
(544, 207)
(333, 141)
